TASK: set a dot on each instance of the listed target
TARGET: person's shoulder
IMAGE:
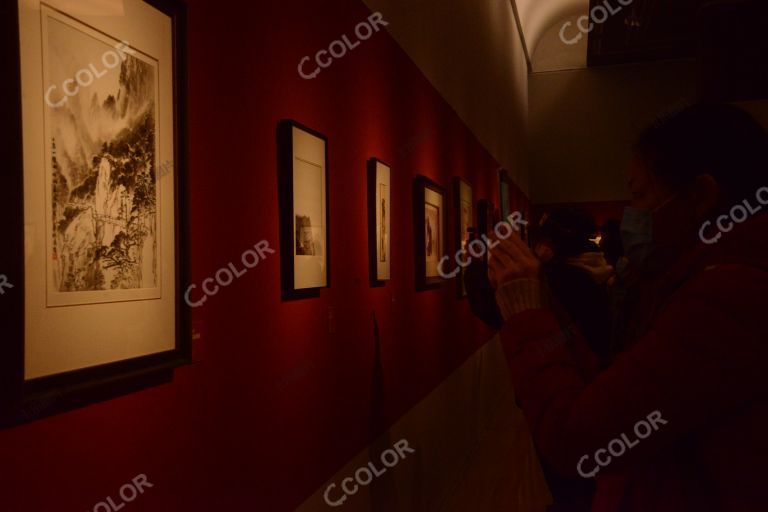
(727, 286)
(719, 311)
(731, 276)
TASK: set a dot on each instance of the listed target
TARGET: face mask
(637, 234)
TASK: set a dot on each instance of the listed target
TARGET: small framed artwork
(462, 192)
(505, 188)
(99, 104)
(429, 232)
(303, 189)
(379, 225)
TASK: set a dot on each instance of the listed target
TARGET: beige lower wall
(471, 451)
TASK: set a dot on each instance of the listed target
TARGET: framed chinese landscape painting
(429, 232)
(303, 202)
(379, 225)
(100, 103)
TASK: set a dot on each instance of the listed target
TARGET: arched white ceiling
(538, 16)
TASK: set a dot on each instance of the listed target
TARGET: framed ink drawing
(303, 186)
(429, 232)
(97, 303)
(462, 192)
(379, 225)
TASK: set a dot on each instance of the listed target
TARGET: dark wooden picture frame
(471, 228)
(285, 158)
(421, 185)
(373, 238)
(23, 400)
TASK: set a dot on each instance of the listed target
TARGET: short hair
(716, 139)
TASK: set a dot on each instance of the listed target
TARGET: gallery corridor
(384, 256)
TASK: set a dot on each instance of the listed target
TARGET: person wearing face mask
(634, 273)
(696, 368)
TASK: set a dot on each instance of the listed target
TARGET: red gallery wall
(281, 394)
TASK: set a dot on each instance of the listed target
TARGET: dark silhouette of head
(718, 140)
(568, 231)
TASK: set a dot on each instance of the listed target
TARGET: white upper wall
(471, 52)
(553, 54)
(582, 124)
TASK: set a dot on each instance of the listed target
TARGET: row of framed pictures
(305, 231)
(96, 252)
